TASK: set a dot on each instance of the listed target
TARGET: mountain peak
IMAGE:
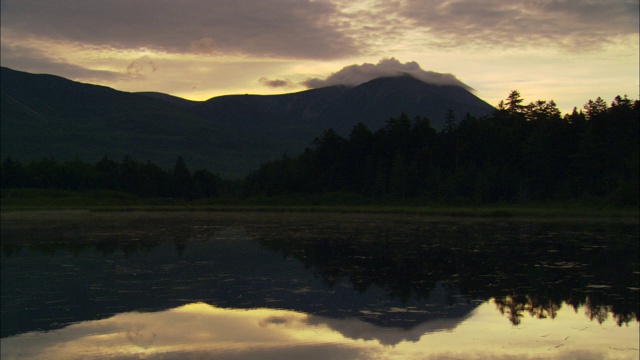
(407, 79)
(375, 101)
(354, 75)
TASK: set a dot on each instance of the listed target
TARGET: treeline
(521, 153)
(129, 176)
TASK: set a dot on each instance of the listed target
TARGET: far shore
(542, 212)
(21, 200)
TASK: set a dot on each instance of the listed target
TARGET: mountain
(49, 116)
(46, 115)
(373, 102)
(302, 116)
(178, 101)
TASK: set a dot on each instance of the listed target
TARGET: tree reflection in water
(514, 309)
(525, 267)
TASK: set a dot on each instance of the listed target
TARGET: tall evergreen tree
(181, 179)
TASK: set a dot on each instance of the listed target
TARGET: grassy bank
(36, 199)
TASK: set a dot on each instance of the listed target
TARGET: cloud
(35, 61)
(205, 46)
(354, 75)
(141, 66)
(563, 24)
(275, 28)
(321, 29)
(276, 83)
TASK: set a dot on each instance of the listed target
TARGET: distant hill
(175, 100)
(46, 115)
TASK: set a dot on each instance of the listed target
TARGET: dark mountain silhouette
(373, 102)
(46, 115)
(183, 103)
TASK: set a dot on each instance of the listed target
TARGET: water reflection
(375, 279)
(526, 267)
(200, 331)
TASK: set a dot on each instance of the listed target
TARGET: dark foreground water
(78, 285)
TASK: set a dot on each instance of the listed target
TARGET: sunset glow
(199, 329)
(567, 51)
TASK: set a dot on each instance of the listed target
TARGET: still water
(81, 285)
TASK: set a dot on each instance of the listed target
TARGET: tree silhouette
(181, 179)
(520, 154)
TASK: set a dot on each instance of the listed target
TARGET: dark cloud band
(320, 29)
(570, 25)
(275, 28)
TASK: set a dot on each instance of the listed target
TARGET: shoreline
(547, 211)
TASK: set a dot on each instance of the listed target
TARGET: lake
(260, 285)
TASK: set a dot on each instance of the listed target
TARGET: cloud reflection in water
(199, 331)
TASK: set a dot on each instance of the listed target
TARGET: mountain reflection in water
(201, 331)
(377, 280)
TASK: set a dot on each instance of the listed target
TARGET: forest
(143, 179)
(522, 153)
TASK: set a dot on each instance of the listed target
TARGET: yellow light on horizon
(199, 328)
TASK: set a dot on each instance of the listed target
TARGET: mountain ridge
(47, 115)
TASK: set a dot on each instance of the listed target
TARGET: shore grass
(34, 199)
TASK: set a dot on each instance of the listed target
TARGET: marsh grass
(57, 200)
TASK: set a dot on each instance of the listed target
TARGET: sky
(568, 51)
